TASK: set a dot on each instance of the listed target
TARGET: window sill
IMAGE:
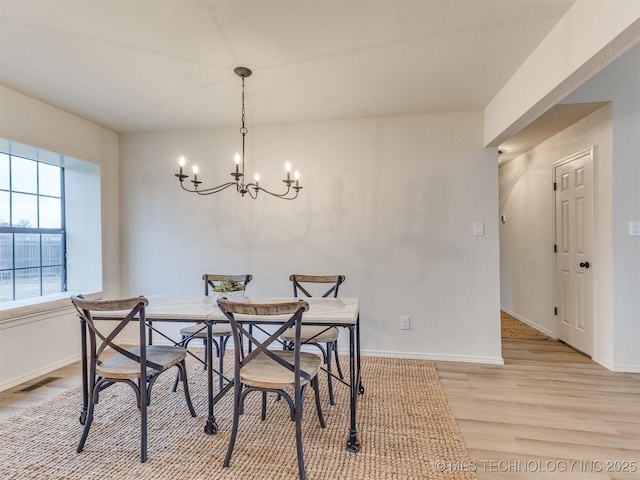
(33, 306)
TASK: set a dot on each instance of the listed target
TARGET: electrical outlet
(405, 323)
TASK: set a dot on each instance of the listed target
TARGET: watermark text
(537, 466)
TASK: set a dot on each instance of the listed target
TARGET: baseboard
(616, 367)
(533, 325)
(410, 355)
(436, 357)
(39, 372)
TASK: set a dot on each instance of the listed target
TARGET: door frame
(591, 151)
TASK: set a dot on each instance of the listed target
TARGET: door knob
(584, 264)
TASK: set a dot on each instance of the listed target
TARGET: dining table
(323, 311)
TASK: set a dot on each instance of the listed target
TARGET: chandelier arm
(208, 191)
(185, 188)
(253, 195)
(212, 190)
(283, 196)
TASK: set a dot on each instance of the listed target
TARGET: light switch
(634, 229)
(478, 229)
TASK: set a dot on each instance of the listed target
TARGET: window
(50, 228)
(32, 228)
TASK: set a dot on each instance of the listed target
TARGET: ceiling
(554, 120)
(136, 66)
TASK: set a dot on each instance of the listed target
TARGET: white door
(574, 245)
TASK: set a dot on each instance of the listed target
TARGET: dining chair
(220, 330)
(313, 335)
(138, 367)
(285, 372)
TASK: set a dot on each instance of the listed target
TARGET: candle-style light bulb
(195, 173)
(182, 161)
(237, 159)
(257, 179)
(296, 176)
(287, 168)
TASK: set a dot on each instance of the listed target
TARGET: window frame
(14, 230)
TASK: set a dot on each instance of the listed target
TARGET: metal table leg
(360, 386)
(211, 427)
(353, 444)
(85, 373)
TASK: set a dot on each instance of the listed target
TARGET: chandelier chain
(243, 129)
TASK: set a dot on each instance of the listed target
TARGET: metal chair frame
(149, 371)
(210, 281)
(242, 358)
(331, 346)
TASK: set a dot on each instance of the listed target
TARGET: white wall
(586, 39)
(525, 197)
(37, 343)
(388, 202)
(620, 83)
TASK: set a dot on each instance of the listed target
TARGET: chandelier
(292, 184)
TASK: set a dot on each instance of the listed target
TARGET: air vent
(39, 384)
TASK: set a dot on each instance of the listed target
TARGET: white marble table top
(182, 308)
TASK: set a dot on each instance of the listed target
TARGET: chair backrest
(256, 345)
(107, 331)
(211, 280)
(334, 280)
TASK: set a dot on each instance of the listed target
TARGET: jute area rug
(405, 426)
(514, 328)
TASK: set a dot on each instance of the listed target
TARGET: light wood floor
(546, 407)
(35, 391)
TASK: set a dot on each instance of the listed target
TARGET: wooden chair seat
(311, 333)
(200, 331)
(119, 366)
(264, 372)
